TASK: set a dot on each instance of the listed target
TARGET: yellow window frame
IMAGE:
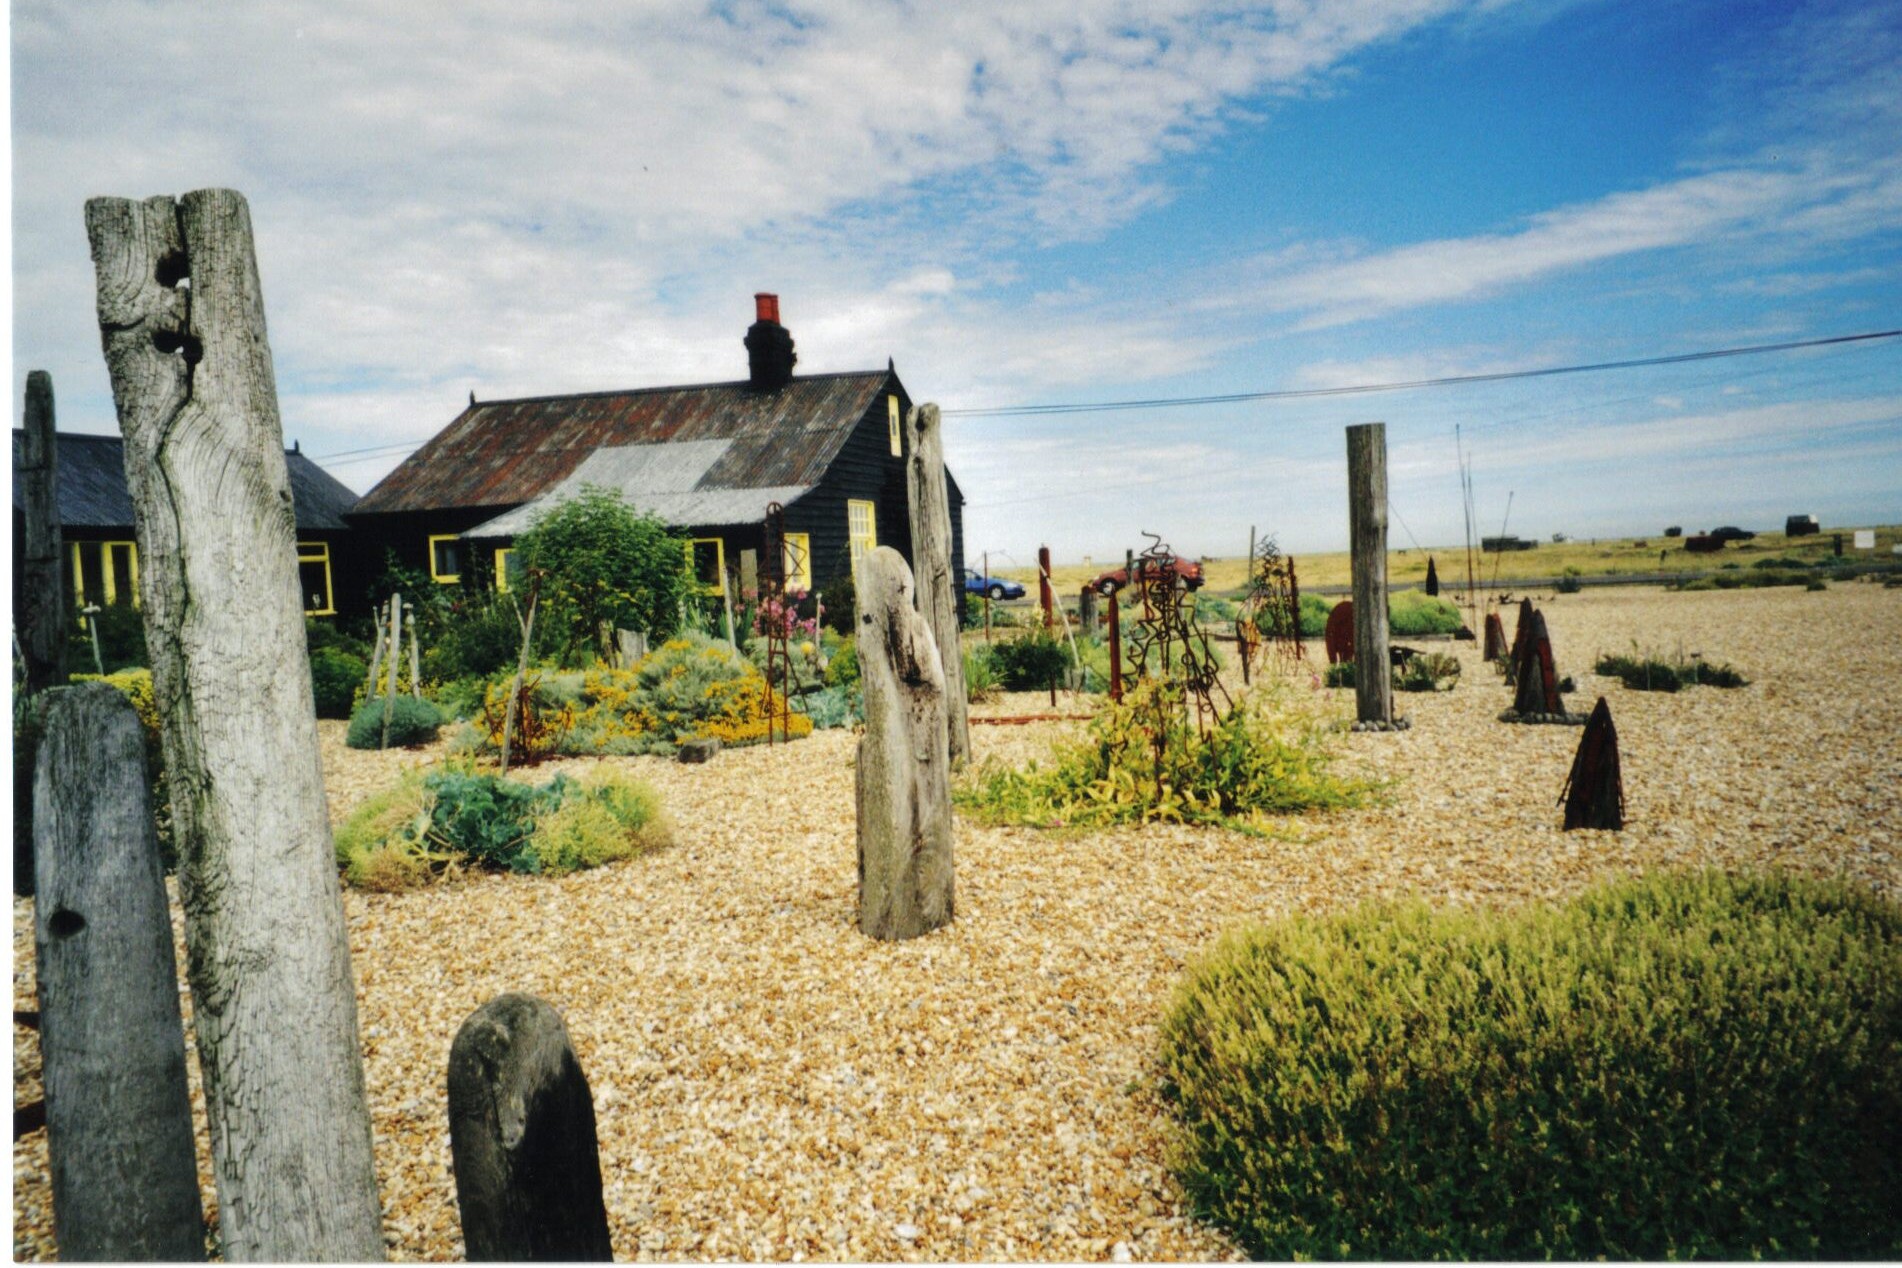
(502, 556)
(898, 435)
(79, 577)
(318, 553)
(796, 560)
(111, 574)
(446, 578)
(719, 555)
(863, 541)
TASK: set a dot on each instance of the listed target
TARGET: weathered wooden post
(931, 550)
(375, 683)
(1115, 649)
(274, 1003)
(1046, 597)
(522, 1136)
(1086, 610)
(415, 657)
(396, 664)
(1367, 536)
(904, 791)
(112, 1047)
(41, 619)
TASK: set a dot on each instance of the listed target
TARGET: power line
(1452, 380)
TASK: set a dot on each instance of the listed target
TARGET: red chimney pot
(767, 306)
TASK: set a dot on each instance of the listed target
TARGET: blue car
(995, 587)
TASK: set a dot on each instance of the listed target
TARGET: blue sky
(1032, 203)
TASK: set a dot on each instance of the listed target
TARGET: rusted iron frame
(773, 623)
(1169, 629)
(1273, 592)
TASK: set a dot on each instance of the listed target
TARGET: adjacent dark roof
(93, 494)
(505, 453)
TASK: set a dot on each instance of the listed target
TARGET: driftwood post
(1086, 610)
(931, 549)
(375, 683)
(1046, 597)
(904, 792)
(396, 664)
(1115, 649)
(415, 657)
(1367, 536)
(522, 1135)
(42, 616)
(275, 1010)
(112, 1047)
(510, 706)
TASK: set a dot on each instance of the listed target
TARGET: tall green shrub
(412, 721)
(1414, 612)
(605, 566)
(1682, 1065)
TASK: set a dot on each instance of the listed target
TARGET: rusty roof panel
(504, 453)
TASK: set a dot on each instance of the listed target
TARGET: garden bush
(121, 630)
(981, 680)
(412, 721)
(842, 667)
(1571, 581)
(1415, 612)
(1684, 1065)
(1031, 661)
(336, 677)
(1647, 672)
(831, 707)
(1429, 671)
(1262, 759)
(1313, 617)
(576, 545)
(434, 822)
(688, 687)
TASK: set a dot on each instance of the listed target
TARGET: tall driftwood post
(396, 664)
(1046, 597)
(274, 1004)
(1086, 610)
(931, 549)
(112, 1047)
(522, 1135)
(1367, 538)
(904, 791)
(41, 619)
(415, 657)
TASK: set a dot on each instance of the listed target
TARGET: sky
(1028, 203)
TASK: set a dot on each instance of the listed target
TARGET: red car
(1188, 571)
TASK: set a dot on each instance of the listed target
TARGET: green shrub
(840, 595)
(1816, 583)
(1571, 581)
(1262, 759)
(981, 681)
(1679, 1066)
(335, 678)
(1654, 673)
(1313, 617)
(1429, 671)
(412, 721)
(434, 821)
(1783, 561)
(1415, 612)
(1339, 674)
(832, 707)
(1031, 661)
(1699, 583)
(842, 668)
(577, 545)
(121, 630)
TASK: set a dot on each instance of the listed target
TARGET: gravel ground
(772, 1085)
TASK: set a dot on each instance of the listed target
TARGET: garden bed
(770, 1084)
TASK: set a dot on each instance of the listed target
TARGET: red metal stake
(1115, 649)
(1044, 595)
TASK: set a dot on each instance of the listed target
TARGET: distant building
(100, 547)
(1801, 526)
(706, 459)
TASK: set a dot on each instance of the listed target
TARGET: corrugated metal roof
(663, 480)
(93, 494)
(505, 453)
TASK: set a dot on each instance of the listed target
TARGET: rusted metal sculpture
(1519, 630)
(1432, 578)
(1339, 636)
(1168, 638)
(1594, 793)
(1271, 611)
(776, 620)
(1535, 680)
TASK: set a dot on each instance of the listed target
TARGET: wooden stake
(1045, 597)
(375, 683)
(904, 791)
(521, 669)
(415, 657)
(274, 1004)
(1115, 648)
(930, 508)
(41, 620)
(112, 1048)
(1367, 533)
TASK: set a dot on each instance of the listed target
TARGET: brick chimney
(769, 346)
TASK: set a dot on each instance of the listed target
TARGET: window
(445, 557)
(313, 577)
(797, 562)
(706, 560)
(508, 573)
(103, 573)
(861, 528)
(898, 435)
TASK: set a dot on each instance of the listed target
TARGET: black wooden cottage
(100, 548)
(706, 459)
